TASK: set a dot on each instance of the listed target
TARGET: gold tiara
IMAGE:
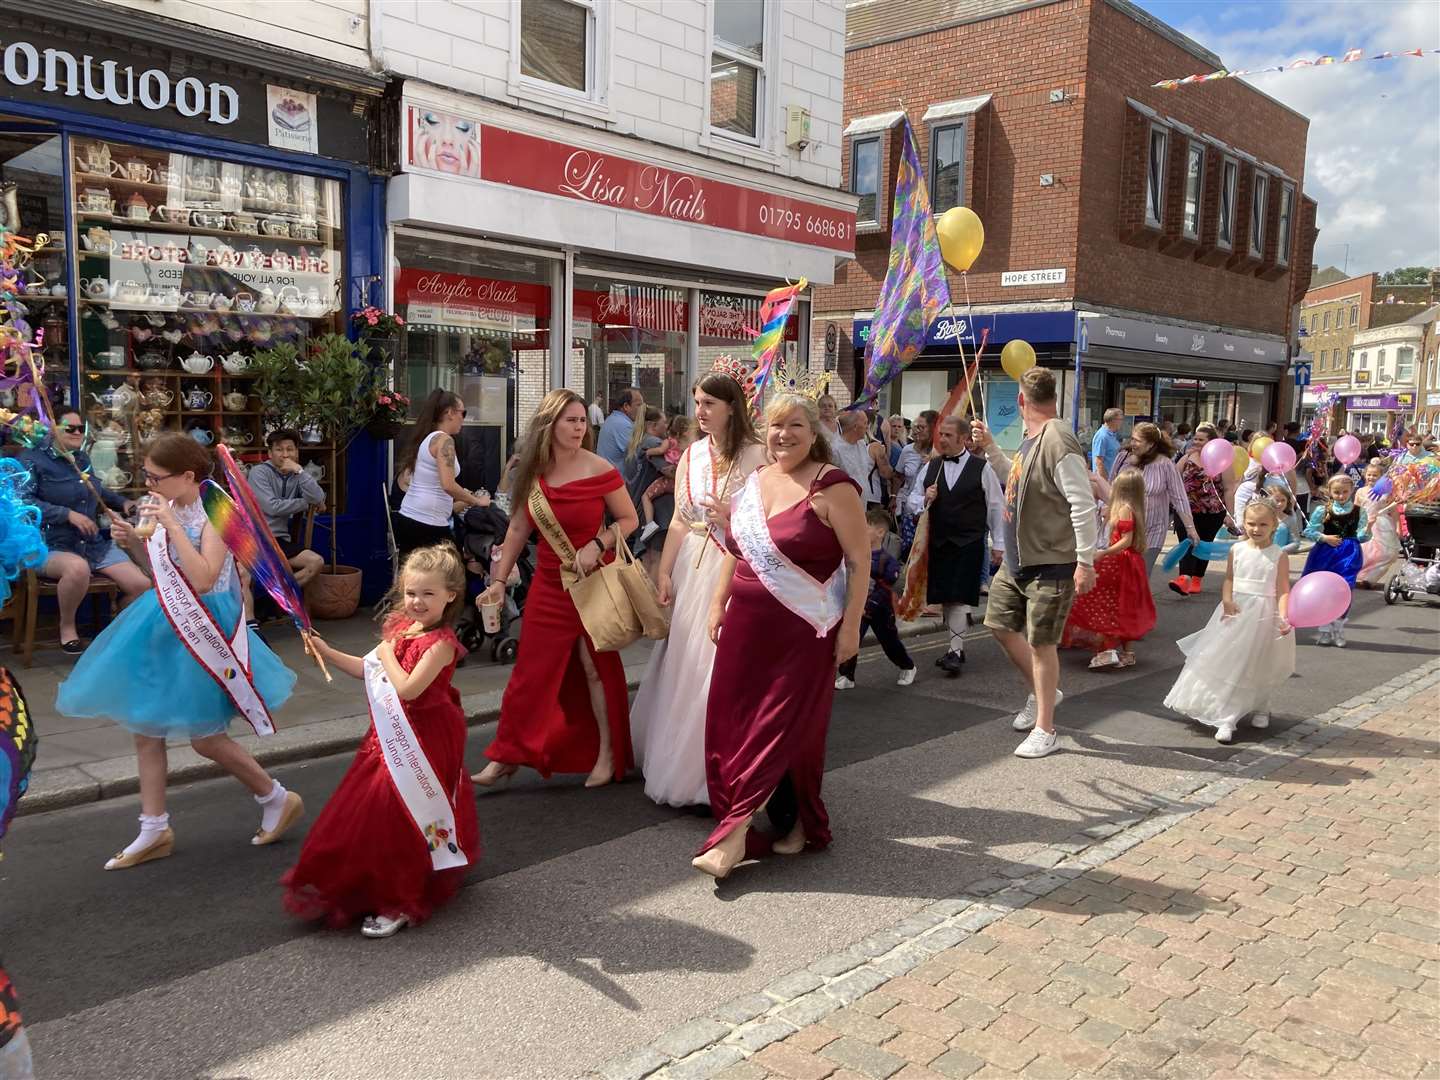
(790, 377)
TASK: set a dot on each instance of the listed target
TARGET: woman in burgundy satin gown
(566, 708)
(782, 622)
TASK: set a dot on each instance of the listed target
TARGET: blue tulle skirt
(1345, 558)
(139, 674)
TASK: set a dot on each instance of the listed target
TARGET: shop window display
(184, 267)
(633, 334)
(725, 322)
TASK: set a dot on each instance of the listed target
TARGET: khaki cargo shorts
(1037, 608)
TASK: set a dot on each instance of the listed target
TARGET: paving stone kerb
(1288, 928)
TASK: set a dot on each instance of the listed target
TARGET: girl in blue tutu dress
(1338, 526)
(140, 673)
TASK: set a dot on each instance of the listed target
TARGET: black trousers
(888, 634)
(1206, 525)
(411, 534)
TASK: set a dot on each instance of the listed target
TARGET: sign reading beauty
(572, 172)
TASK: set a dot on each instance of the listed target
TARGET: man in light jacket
(284, 489)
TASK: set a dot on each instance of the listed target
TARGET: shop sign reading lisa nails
(56, 71)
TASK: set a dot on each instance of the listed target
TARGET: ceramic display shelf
(251, 204)
(155, 225)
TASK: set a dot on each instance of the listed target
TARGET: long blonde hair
(1129, 491)
(536, 452)
(648, 415)
(442, 559)
(784, 405)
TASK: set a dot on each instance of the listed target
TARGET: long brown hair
(180, 453)
(432, 409)
(536, 452)
(739, 432)
(785, 404)
(1157, 443)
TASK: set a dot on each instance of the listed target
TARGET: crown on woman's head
(790, 377)
(740, 371)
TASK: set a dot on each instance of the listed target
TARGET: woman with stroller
(434, 487)
(667, 723)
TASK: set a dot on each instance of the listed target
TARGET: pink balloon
(1318, 598)
(1278, 457)
(1217, 456)
(1347, 449)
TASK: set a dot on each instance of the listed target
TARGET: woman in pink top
(1151, 453)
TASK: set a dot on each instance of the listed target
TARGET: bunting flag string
(1350, 57)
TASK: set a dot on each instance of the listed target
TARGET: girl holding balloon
(1338, 527)
(1246, 651)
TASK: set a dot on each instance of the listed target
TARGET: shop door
(32, 202)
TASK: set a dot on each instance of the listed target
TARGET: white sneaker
(1324, 638)
(1225, 733)
(1025, 718)
(650, 530)
(842, 683)
(383, 926)
(1339, 639)
(1260, 720)
(906, 677)
(1038, 743)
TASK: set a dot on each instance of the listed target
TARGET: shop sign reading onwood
(593, 176)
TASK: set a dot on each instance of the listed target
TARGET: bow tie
(952, 460)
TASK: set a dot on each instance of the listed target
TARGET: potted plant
(330, 389)
(392, 411)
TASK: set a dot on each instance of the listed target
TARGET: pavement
(585, 944)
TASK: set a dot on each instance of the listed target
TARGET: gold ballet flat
(162, 848)
(294, 809)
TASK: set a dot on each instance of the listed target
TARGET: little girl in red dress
(394, 841)
(1119, 610)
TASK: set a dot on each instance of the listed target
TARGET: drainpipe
(377, 36)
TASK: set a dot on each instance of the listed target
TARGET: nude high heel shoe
(496, 774)
(719, 860)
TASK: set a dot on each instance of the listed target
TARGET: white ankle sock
(151, 826)
(272, 806)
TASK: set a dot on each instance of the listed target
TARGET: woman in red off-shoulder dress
(566, 708)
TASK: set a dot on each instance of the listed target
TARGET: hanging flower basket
(382, 429)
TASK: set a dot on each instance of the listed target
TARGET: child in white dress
(1246, 651)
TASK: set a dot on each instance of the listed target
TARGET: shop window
(557, 42)
(1155, 176)
(1287, 221)
(477, 322)
(1194, 190)
(723, 323)
(737, 69)
(632, 334)
(865, 179)
(1252, 405)
(186, 267)
(1259, 196)
(1229, 180)
(947, 167)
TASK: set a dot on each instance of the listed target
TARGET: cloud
(1373, 158)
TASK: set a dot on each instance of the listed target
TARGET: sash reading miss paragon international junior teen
(225, 656)
(426, 800)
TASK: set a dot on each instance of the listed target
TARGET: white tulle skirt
(1233, 666)
(667, 720)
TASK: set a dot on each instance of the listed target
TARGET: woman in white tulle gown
(667, 721)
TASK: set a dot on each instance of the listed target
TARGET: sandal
(1127, 659)
(73, 647)
(1107, 659)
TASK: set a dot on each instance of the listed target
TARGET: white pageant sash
(226, 658)
(410, 771)
(820, 605)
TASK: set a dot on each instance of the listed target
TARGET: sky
(1373, 158)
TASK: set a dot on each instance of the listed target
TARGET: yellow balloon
(1017, 358)
(961, 236)
(1258, 445)
(1242, 462)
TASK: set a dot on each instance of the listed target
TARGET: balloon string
(970, 321)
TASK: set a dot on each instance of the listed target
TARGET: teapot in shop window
(133, 170)
(137, 209)
(97, 238)
(315, 470)
(97, 201)
(95, 158)
(197, 363)
(235, 363)
(267, 301)
(196, 399)
(235, 401)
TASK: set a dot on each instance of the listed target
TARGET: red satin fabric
(772, 687)
(364, 855)
(546, 719)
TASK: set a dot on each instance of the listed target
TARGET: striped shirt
(1164, 491)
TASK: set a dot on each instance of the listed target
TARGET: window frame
(1400, 374)
(935, 132)
(856, 142)
(595, 98)
(1190, 150)
(1325, 324)
(1155, 185)
(765, 68)
(1286, 224)
(1259, 210)
(1229, 189)
(1354, 314)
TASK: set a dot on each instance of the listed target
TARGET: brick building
(1427, 399)
(1167, 228)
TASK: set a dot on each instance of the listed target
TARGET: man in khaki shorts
(1049, 549)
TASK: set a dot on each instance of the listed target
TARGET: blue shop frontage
(205, 201)
(1152, 370)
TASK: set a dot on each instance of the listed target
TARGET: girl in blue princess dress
(1338, 526)
(140, 673)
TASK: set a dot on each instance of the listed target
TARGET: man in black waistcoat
(964, 499)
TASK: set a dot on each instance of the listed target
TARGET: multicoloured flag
(915, 287)
(1350, 57)
(769, 341)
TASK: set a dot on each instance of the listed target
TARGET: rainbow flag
(769, 344)
(915, 288)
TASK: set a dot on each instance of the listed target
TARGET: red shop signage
(464, 291)
(508, 157)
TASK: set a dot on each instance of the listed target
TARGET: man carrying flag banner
(915, 288)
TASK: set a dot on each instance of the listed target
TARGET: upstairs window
(1194, 189)
(865, 179)
(1354, 314)
(1404, 364)
(1258, 201)
(1229, 177)
(1287, 216)
(737, 69)
(1155, 177)
(1327, 320)
(947, 167)
(557, 42)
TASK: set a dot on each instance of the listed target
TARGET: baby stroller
(480, 532)
(1419, 571)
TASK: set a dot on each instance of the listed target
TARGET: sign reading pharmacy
(1117, 333)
